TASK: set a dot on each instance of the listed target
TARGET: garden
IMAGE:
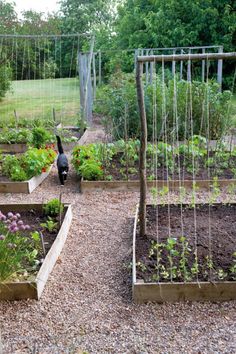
(122, 240)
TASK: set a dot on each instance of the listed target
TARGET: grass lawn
(37, 98)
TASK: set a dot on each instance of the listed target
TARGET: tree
(89, 17)
(8, 24)
(165, 23)
(172, 23)
(8, 17)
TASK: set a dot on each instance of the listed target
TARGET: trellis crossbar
(180, 57)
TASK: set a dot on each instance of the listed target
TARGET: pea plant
(106, 161)
(175, 260)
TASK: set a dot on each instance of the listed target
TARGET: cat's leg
(61, 178)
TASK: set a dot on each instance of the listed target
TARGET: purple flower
(22, 227)
(14, 217)
(2, 237)
(20, 222)
(18, 215)
(27, 227)
(2, 217)
(10, 214)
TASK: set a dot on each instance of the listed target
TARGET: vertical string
(155, 150)
(193, 164)
(166, 151)
(176, 124)
(208, 168)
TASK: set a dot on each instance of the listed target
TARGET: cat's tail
(59, 145)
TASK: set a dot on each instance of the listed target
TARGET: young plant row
(37, 137)
(22, 246)
(175, 260)
(28, 123)
(103, 161)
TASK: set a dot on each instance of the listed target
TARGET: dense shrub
(196, 103)
(5, 80)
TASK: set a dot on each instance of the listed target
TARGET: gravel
(87, 304)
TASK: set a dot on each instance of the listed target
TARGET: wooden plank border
(34, 289)
(21, 148)
(176, 292)
(174, 185)
(25, 186)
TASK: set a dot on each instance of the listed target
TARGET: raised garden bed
(157, 281)
(111, 167)
(173, 185)
(32, 289)
(22, 173)
(19, 148)
(25, 186)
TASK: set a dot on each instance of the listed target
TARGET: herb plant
(53, 208)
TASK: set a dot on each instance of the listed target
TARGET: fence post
(220, 68)
(94, 78)
(189, 68)
(173, 63)
(86, 95)
(151, 69)
(181, 66)
(99, 67)
(203, 66)
(147, 68)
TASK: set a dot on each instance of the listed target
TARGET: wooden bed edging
(25, 186)
(175, 292)
(23, 147)
(174, 185)
(34, 289)
(179, 291)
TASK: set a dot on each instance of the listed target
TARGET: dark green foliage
(161, 24)
(40, 137)
(118, 102)
(5, 79)
(53, 208)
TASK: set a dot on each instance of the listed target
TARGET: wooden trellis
(90, 70)
(141, 61)
(149, 67)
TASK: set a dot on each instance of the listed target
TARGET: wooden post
(147, 69)
(203, 66)
(220, 68)
(81, 82)
(100, 67)
(181, 66)
(151, 69)
(94, 78)
(189, 68)
(85, 61)
(88, 81)
(143, 148)
(173, 63)
(16, 119)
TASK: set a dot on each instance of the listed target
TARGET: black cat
(62, 162)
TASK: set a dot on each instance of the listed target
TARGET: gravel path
(87, 305)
